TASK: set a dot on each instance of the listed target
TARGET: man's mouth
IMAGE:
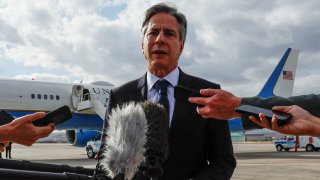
(160, 52)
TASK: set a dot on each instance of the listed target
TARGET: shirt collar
(172, 78)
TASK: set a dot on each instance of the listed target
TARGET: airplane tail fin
(281, 81)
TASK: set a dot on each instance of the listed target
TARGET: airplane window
(45, 96)
(32, 96)
(57, 97)
(51, 97)
(39, 96)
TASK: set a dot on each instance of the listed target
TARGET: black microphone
(136, 139)
(157, 146)
(34, 166)
(126, 137)
(14, 174)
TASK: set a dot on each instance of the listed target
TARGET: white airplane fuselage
(86, 101)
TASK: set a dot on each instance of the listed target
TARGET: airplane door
(77, 94)
(81, 98)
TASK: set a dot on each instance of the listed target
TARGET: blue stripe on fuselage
(78, 121)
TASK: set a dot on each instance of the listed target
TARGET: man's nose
(160, 38)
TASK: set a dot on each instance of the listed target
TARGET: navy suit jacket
(198, 148)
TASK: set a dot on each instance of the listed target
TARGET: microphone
(18, 174)
(126, 137)
(136, 139)
(34, 166)
(157, 146)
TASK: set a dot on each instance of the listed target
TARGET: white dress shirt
(153, 95)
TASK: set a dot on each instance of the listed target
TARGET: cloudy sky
(234, 43)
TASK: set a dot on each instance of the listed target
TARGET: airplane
(88, 101)
(280, 83)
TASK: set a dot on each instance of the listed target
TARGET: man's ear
(142, 49)
(181, 47)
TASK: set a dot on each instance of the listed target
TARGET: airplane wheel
(90, 153)
(279, 148)
(309, 148)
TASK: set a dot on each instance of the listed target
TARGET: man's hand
(302, 122)
(216, 103)
(22, 130)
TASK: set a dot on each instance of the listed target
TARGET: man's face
(162, 44)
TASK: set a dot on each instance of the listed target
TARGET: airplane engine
(79, 138)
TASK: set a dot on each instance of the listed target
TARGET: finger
(197, 100)
(36, 116)
(206, 117)
(52, 125)
(274, 122)
(208, 92)
(199, 111)
(280, 108)
(44, 131)
(32, 117)
(202, 111)
(255, 120)
(264, 121)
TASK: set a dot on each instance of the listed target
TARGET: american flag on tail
(288, 75)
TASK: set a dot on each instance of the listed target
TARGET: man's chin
(159, 56)
(162, 63)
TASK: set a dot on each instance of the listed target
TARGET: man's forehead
(164, 21)
(162, 26)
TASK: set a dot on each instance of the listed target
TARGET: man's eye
(169, 34)
(153, 33)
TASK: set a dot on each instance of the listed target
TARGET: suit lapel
(180, 109)
(142, 89)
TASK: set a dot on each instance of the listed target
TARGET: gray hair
(168, 8)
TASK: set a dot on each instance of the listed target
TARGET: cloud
(234, 43)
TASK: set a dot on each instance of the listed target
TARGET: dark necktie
(161, 87)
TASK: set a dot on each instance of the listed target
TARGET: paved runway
(263, 162)
(256, 161)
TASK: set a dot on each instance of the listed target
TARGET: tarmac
(255, 161)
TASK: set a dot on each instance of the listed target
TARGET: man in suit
(198, 149)
(304, 109)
